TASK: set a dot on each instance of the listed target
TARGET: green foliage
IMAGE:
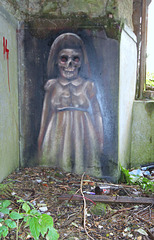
(146, 184)
(150, 79)
(125, 176)
(39, 224)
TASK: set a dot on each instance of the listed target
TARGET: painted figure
(71, 132)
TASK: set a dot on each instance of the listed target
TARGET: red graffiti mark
(6, 54)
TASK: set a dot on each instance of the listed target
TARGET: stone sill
(148, 94)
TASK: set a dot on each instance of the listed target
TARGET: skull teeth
(70, 69)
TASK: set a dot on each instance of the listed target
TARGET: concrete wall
(33, 9)
(125, 11)
(127, 83)
(9, 135)
(58, 15)
(142, 145)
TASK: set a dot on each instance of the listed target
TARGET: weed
(146, 184)
(150, 79)
(39, 224)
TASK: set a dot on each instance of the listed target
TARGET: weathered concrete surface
(9, 136)
(33, 9)
(142, 145)
(127, 83)
(125, 11)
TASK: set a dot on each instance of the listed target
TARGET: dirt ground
(43, 187)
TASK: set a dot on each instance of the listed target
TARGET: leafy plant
(150, 79)
(39, 224)
(125, 176)
(146, 184)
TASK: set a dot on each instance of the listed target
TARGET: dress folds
(71, 133)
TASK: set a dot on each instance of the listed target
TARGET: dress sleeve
(49, 84)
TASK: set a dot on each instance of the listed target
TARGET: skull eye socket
(64, 59)
(76, 59)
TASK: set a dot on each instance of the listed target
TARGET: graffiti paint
(6, 56)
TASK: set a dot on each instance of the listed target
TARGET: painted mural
(71, 132)
(69, 112)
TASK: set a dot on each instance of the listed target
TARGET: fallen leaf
(74, 224)
(142, 231)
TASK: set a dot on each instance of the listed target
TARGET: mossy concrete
(125, 11)
(9, 135)
(142, 145)
(29, 10)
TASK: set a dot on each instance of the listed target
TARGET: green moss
(91, 7)
(111, 26)
(111, 7)
(96, 14)
(50, 7)
(99, 209)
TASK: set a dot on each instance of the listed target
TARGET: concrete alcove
(103, 55)
(107, 32)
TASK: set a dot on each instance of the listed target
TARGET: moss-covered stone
(32, 9)
(41, 27)
(99, 209)
(50, 8)
(91, 7)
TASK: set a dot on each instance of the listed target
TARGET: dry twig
(143, 220)
(121, 210)
(84, 209)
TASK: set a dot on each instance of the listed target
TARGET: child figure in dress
(71, 132)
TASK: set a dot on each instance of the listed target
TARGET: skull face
(69, 62)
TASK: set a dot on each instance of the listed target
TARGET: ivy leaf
(52, 234)
(34, 227)
(10, 223)
(6, 203)
(26, 207)
(14, 215)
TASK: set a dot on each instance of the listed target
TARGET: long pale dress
(71, 133)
